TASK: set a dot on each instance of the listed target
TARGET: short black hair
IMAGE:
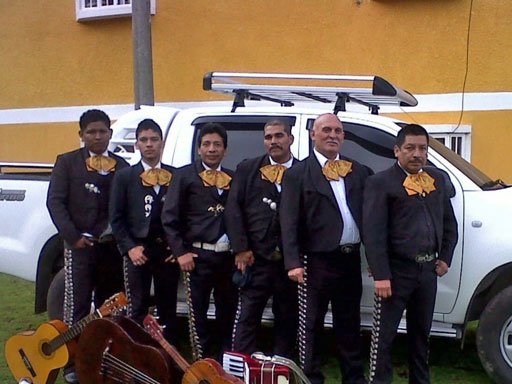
(148, 124)
(91, 116)
(410, 130)
(213, 128)
(280, 122)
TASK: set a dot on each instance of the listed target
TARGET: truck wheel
(494, 337)
(55, 297)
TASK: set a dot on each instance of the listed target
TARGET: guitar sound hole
(203, 381)
(47, 349)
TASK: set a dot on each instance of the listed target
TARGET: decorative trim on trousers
(303, 306)
(195, 344)
(375, 336)
(237, 319)
(129, 307)
(69, 305)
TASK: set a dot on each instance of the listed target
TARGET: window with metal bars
(105, 9)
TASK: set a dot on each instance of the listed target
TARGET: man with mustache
(321, 212)
(410, 233)
(253, 227)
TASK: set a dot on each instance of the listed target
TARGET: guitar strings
(117, 366)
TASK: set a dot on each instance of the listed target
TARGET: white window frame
(106, 11)
(451, 131)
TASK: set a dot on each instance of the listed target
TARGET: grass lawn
(449, 365)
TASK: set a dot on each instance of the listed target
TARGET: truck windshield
(473, 173)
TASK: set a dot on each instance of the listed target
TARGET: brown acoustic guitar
(38, 355)
(204, 371)
(117, 350)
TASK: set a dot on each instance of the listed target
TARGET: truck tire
(494, 337)
(55, 298)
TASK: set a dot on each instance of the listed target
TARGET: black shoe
(71, 377)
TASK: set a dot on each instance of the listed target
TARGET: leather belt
(217, 247)
(349, 248)
(425, 257)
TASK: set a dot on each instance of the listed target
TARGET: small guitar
(205, 371)
(38, 355)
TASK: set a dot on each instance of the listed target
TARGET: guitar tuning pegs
(266, 200)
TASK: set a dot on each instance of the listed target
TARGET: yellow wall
(50, 60)
(38, 143)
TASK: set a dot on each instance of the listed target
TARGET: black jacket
(133, 206)
(390, 215)
(251, 223)
(193, 212)
(309, 214)
(77, 198)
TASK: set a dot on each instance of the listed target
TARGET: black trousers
(414, 288)
(336, 278)
(97, 268)
(137, 281)
(268, 279)
(213, 273)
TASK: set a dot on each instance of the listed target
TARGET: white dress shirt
(350, 233)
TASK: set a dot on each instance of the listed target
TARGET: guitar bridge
(27, 363)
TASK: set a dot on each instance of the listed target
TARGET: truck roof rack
(370, 91)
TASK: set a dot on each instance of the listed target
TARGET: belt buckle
(276, 255)
(425, 257)
(347, 248)
(221, 247)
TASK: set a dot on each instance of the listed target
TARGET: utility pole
(142, 53)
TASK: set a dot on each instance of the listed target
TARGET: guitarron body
(117, 350)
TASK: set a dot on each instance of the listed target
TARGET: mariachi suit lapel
(349, 182)
(320, 183)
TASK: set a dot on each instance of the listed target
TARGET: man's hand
(244, 259)
(187, 261)
(83, 242)
(137, 256)
(296, 274)
(383, 288)
(441, 268)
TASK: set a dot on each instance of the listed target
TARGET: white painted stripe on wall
(448, 102)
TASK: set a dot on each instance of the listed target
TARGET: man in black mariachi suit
(193, 219)
(77, 200)
(320, 214)
(136, 203)
(253, 226)
(410, 233)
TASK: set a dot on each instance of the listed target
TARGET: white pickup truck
(479, 283)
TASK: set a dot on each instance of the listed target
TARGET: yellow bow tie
(155, 176)
(100, 164)
(214, 178)
(419, 183)
(333, 169)
(273, 173)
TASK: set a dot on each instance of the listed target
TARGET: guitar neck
(175, 355)
(73, 331)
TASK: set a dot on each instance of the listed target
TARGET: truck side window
(367, 145)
